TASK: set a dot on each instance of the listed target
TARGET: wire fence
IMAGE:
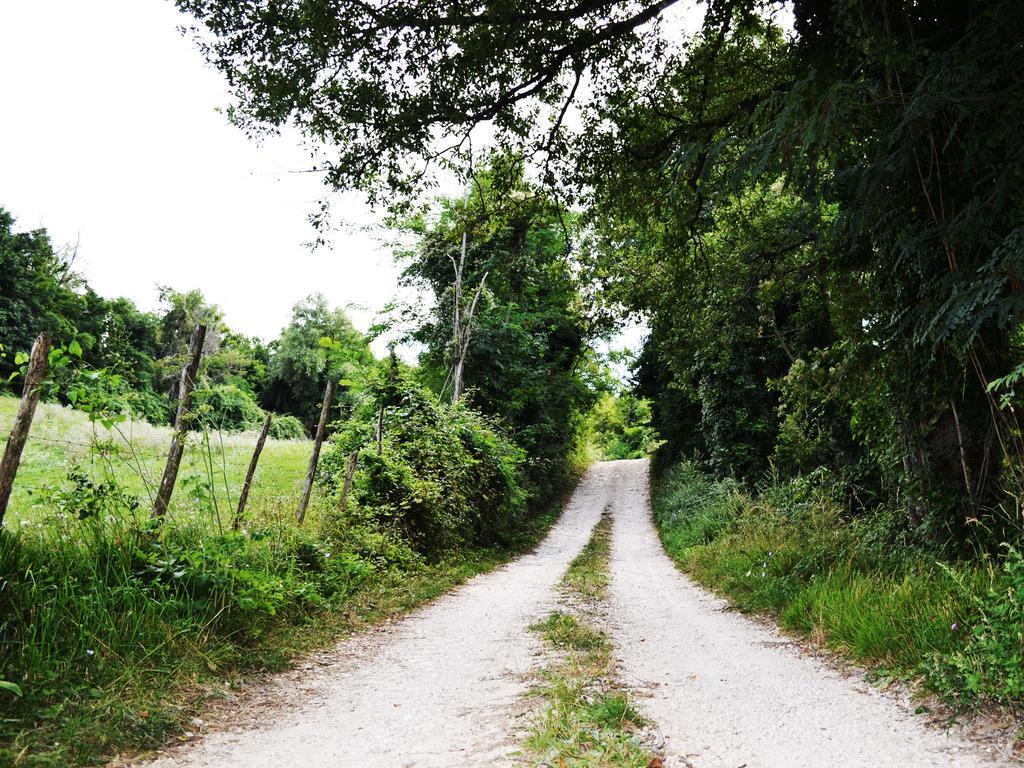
(143, 458)
(234, 458)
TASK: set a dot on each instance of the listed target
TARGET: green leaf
(21, 358)
(11, 687)
(75, 348)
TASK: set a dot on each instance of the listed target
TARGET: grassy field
(62, 440)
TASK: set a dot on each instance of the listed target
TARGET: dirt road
(727, 691)
(439, 690)
(443, 686)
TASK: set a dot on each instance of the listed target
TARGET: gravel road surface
(445, 687)
(727, 691)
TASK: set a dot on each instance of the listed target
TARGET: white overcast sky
(111, 138)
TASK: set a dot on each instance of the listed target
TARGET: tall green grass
(115, 635)
(858, 585)
(63, 439)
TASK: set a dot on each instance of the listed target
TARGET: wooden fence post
(378, 433)
(353, 462)
(188, 380)
(37, 363)
(244, 495)
(300, 513)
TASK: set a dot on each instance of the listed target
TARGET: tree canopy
(527, 347)
(823, 222)
(300, 364)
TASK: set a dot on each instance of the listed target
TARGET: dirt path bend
(440, 688)
(728, 692)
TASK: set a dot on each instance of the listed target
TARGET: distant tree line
(242, 376)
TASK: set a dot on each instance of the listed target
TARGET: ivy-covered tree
(531, 330)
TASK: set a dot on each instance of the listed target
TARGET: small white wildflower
(90, 652)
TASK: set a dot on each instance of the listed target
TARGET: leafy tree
(889, 130)
(912, 301)
(379, 82)
(299, 363)
(233, 364)
(531, 331)
(34, 291)
(40, 291)
(620, 427)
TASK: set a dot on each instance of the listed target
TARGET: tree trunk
(185, 386)
(300, 513)
(353, 462)
(378, 434)
(244, 495)
(36, 372)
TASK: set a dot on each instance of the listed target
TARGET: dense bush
(443, 476)
(229, 408)
(990, 665)
(287, 427)
(226, 407)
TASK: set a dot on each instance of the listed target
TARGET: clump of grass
(588, 719)
(563, 630)
(791, 552)
(587, 575)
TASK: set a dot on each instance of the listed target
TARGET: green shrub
(226, 407)
(149, 406)
(287, 427)
(444, 477)
(990, 665)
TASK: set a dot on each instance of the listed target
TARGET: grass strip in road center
(587, 719)
(587, 575)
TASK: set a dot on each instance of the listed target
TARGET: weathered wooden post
(188, 381)
(244, 495)
(300, 513)
(37, 363)
(353, 462)
(378, 433)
